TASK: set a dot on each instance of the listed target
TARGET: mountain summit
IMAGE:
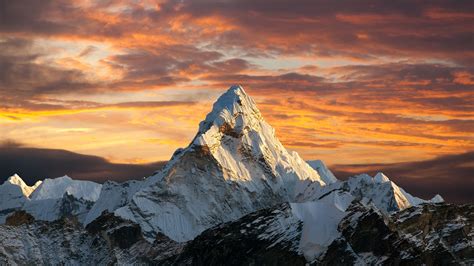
(235, 165)
(27, 190)
(235, 128)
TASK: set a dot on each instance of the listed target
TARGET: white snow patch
(323, 171)
(437, 199)
(112, 196)
(320, 222)
(381, 178)
(55, 189)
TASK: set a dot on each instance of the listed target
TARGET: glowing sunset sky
(347, 82)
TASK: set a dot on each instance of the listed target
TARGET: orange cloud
(353, 84)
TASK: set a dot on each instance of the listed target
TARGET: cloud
(339, 28)
(34, 164)
(364, 82)
(30, 15)
(178, 63)
(451, 176)
(22, 76)
(365, 30)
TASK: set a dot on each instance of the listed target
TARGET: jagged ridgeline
(235, 195)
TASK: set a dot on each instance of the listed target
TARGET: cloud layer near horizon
(442, 175)
(349, 83)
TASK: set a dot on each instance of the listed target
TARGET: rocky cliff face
(367, 238)
(430, 234)
(108, 240)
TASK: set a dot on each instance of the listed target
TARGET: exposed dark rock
(228, 130)
(431, 234)
(19, 218)
(116, 231)
(244, 242)
(70, 206)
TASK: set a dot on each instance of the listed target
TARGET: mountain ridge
(233, 169)
(240, 167)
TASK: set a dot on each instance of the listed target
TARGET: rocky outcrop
(19, 218)
(116, 231)
(430, 234)
(256, 239)
(51, 243)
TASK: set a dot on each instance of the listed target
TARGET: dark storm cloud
(34, 164)
(162, 61)
(420, 30)
(451, 176)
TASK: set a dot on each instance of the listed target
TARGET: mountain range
(234, 196)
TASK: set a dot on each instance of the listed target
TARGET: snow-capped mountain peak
(232, 114)
(381, 178)
(48, 200)
(56, 187)
(27, 190)
(437, 199)
(378, 191)
(236, 129)
(234, 165)
(12, 196)
(16, 180)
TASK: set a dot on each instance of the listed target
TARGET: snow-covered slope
(48, 200)
(12, 197)
(56, 208)
(113, 196)
(320, 221)
(323, 171)
(56, 187)
(378, 190)
(311, 233)
(235, 165)
(437, 199)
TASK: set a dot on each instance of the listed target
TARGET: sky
(356, 84)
